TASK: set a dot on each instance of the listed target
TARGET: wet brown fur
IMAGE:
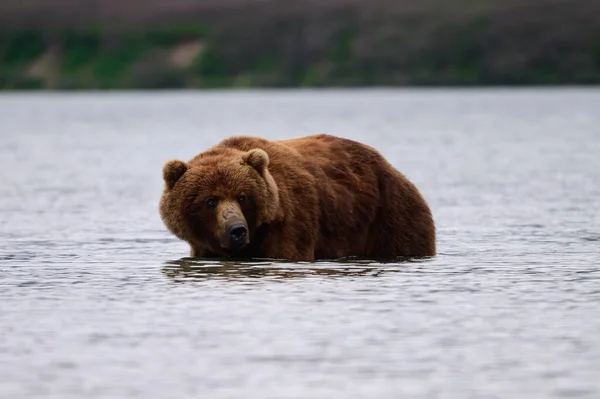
(316, 197)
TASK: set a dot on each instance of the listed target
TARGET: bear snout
(236, 237)
(237, 233)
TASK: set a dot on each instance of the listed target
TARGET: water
(97, 302)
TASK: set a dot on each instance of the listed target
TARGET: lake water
(95, 301)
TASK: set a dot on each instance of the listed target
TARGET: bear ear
(257, 158)
(173, 170)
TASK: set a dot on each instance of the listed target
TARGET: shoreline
(270, 45)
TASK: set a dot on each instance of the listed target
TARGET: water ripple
(97, 301)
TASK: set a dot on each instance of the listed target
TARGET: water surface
(98, 300)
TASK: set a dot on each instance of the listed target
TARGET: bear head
(218, 200)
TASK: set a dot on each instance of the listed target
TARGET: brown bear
(303, 199)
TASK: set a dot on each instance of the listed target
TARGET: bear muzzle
(235, 237)
(233, 232)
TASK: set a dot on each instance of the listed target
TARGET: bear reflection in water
(196, 269)
(305, 199)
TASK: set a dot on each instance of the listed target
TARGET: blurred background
(152, 44)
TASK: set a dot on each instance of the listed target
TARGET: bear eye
(211, 202)
(241, 198)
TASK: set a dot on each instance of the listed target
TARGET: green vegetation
(508, 43)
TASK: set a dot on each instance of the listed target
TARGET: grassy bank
(301, 44)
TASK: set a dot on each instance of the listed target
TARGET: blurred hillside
(93, 44)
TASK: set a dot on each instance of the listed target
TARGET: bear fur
(303, 199)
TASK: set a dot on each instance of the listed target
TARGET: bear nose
(237, 233)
